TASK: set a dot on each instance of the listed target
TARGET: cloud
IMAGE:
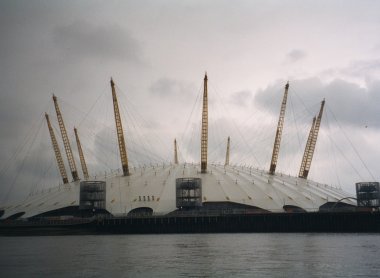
(34, 164)
(10, 120)
(376, 47)
(296, 55)
(361, 67)
(350, 103)
(167, 87)
(241, 98)
(362, 72)
(81, 39)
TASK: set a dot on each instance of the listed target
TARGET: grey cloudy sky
(157, 53)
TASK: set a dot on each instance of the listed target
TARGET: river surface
(193, 255)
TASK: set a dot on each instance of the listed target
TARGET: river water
(193, 255)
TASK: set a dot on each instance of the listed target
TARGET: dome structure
(152, 189)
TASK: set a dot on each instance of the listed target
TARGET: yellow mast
(175, 152)
(280, 126)
(120, 134)
(81, 156)
(66, 142)
(313, 142)
(204, 138)
(307, 148)
(57, 152)
(228, 153)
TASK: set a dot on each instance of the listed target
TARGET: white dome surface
(155, 187)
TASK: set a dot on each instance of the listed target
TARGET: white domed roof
(154, 187)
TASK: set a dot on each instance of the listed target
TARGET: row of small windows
(146, 198)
